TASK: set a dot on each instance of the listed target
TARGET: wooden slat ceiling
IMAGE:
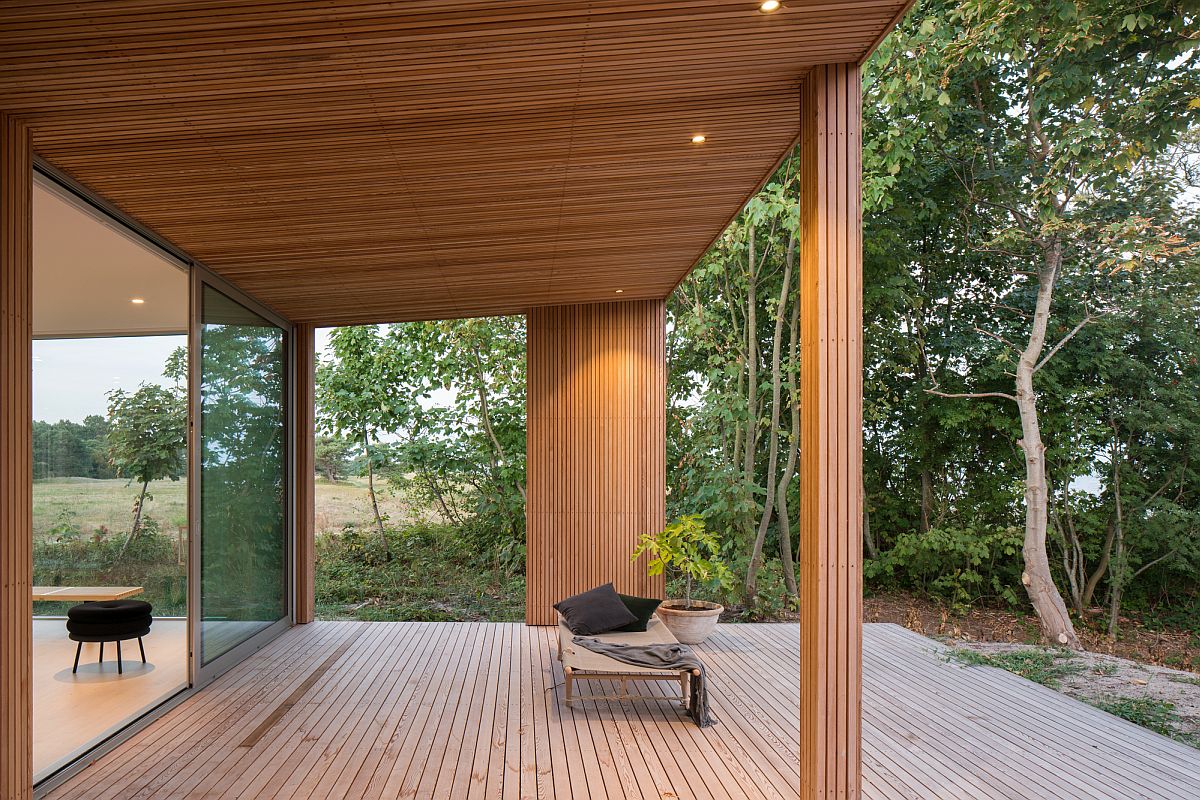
(381, 161)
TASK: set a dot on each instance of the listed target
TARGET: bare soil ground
(1179, 649)
(1157, 697)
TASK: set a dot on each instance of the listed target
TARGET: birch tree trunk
(1037, 578)
(868, 536)
(756, 552)
(751, 364)
(1116, 580)
(137, 519)
(485, 416)
(750, 439)
(789, 470)
(374, 500)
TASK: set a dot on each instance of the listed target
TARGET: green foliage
(71, 449)
(67, 556)
(147, 437)
(436, 574)
(960, 565)
(997, 131)
(333, 456)
(439, 409)
(1157, 715)
(243, 455)
(686, 547)
(366, 388)
(1047, 667)
(147, 433)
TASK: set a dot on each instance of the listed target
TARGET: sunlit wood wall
(831, 433)
(16, 460)
(596, 448)
(304, 347)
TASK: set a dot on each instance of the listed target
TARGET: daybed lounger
(579, 663)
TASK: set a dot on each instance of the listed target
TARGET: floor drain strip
(301, 690)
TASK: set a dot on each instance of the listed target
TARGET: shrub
(959, 565)
(436, 574)
(68, 557)
(1047, 667)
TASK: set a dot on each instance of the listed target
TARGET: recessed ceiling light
(137, 301)
(620, 291)
(767, 6)
(699, 138)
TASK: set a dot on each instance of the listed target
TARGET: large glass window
(243, 474)
(110, 507)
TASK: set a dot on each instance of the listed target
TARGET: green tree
(147, 437)
(1067, 100)
(732, 416)
(332, 456)
(363, 392)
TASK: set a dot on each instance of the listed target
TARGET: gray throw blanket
(665, 657)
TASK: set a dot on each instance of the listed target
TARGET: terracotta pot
(690, 624)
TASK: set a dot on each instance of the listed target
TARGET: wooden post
(831, 434)
(595, 448)
(304, 340)
(16, 460)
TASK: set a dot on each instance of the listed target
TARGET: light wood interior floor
(72, 713)
(465, 710)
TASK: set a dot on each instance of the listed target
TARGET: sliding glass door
(243, 481)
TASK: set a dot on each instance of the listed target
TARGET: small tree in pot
(685, 545)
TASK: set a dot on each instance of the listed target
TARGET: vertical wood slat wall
(16, 460)
(831, 433)
(304, 345)
(596, 448)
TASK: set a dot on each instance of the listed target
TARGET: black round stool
(109, 621)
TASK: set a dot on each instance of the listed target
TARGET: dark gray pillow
(595, 611)
(641, 607)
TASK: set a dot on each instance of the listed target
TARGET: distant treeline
(67, 449)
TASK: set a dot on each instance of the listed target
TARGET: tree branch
(971, 395)
(1156, 561)
(997, 337)
(1087, 318)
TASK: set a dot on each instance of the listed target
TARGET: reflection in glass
(243, 476)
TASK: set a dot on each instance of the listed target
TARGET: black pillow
(641, 607)
(595, 611)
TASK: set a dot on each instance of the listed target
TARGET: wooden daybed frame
(579, 663)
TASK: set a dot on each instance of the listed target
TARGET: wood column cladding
(831, 433)
(16, 460)
(596, 448)
(304, 342)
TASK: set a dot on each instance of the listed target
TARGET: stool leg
(143, 649)
(78, 647)
(120, 671)
(101, 661)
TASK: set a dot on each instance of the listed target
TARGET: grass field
(92, 504)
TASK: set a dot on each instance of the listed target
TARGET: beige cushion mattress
(584, 660)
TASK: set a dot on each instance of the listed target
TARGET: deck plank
(475, 710)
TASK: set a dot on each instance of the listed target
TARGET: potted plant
(685, 545)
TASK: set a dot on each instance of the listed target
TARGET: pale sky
(72, 376)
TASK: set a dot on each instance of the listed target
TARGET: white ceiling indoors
(87, 271)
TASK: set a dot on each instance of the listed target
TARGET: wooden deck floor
(456, 710)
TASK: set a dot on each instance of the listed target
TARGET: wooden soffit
(382, 161)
